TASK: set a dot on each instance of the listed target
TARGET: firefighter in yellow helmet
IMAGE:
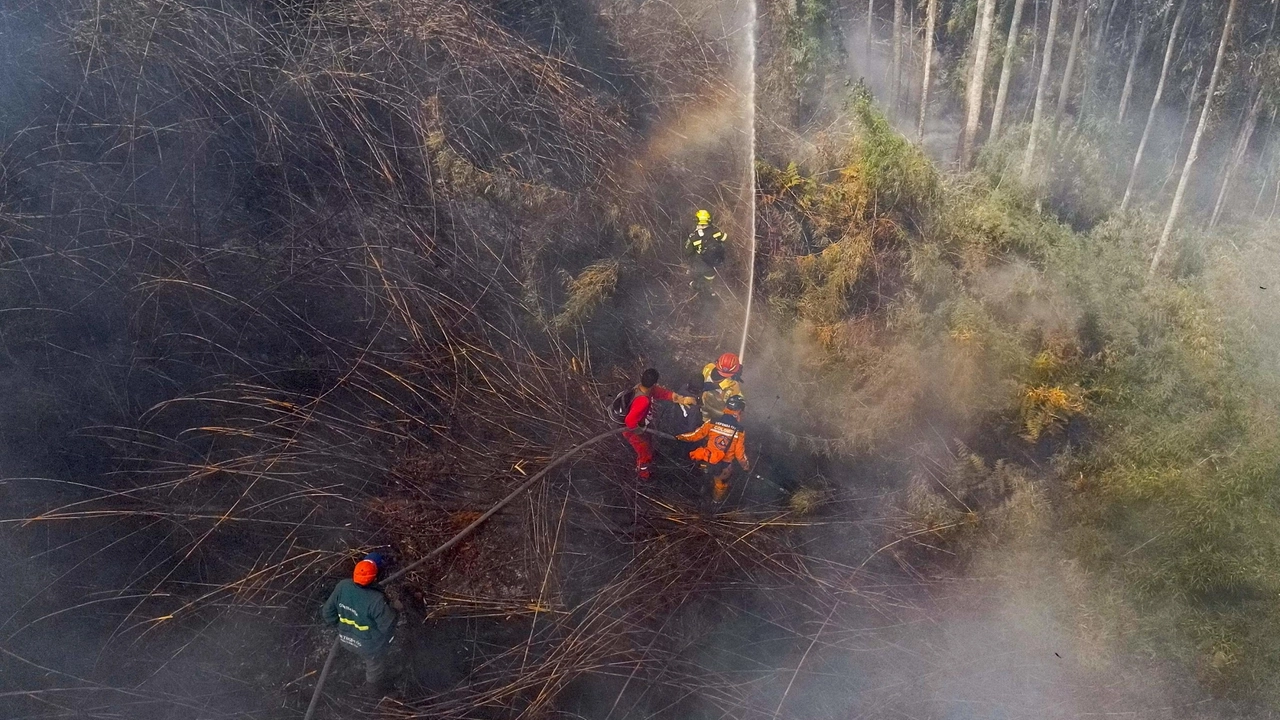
(705, 251)
(721, 380)
(725, 444)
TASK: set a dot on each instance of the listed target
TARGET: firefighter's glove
(685, 400)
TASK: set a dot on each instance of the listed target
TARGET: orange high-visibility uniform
(725, 442)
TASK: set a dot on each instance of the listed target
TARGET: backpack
(713, 252)
(621, 405)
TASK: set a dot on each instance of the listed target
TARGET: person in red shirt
(645, 394)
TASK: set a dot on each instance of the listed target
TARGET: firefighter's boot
(719, 490)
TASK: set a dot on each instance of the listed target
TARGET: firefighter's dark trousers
(377, 666)
(701, 275)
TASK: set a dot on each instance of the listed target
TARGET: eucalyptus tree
(1139, 37)
(1064, 92)
(1006, 68)
(1098, 53)
(1169, 46)
(895, 69)
(1042, 89)
(977, 78)
(1180, 193)
(931, 22)
(1258, 67)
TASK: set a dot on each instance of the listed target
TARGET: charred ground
(286, 281)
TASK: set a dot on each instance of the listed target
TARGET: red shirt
(642, 402)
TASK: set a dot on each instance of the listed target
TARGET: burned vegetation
(287, 280)
(282, 282)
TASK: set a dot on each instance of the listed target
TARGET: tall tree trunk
(1035, 33)
(1241, 148)
(1006, 70)
(1128, 76)
(895, 70)
(910, 64)
(1064, 93)
(1186, 123)
(1095, 59)
(1155, 104)
(1037, 114)
(930, 22)
(1274, 203)
(1265, 158)
(973, 102)
(1195, 141)
(1236, 157)
(871, 16)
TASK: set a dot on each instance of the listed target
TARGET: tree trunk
(1265, 158)
(1128, 76)
(909, 53)
(973, 102)
(1195, 141)
(1155, 104)
(1064, 93)
(1098, 40)
(895, 70)
(871, 16)
(930, 22)
(1236, 157)
(1037, 114)
(1274, 203)
(1006, 71)
(1241, 148)
(1176, 162)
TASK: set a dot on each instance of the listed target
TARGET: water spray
(751, 170)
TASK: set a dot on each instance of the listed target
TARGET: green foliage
(981, 222)
(811, 36)
(1176, 497)
(1075, 178)
(820, 283)
(896, 173)
(841, 224)
(972, 504)
(1155, 396)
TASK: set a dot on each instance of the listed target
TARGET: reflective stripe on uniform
(353, 623)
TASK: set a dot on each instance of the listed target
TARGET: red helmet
(728, 364)
(367, 569)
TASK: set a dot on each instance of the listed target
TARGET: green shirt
(364, 620)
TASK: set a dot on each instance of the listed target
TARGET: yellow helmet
(703, 216)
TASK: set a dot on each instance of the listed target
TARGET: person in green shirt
(365, 621)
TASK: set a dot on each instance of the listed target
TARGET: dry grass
(593, 286)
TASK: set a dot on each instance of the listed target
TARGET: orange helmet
(366, 570)
(728, 364)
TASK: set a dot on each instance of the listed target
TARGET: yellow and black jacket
(717, 388)
(706, 243)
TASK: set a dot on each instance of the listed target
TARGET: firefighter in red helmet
(721, 380)
(365, 621)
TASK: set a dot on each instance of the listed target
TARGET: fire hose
(464, 532)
